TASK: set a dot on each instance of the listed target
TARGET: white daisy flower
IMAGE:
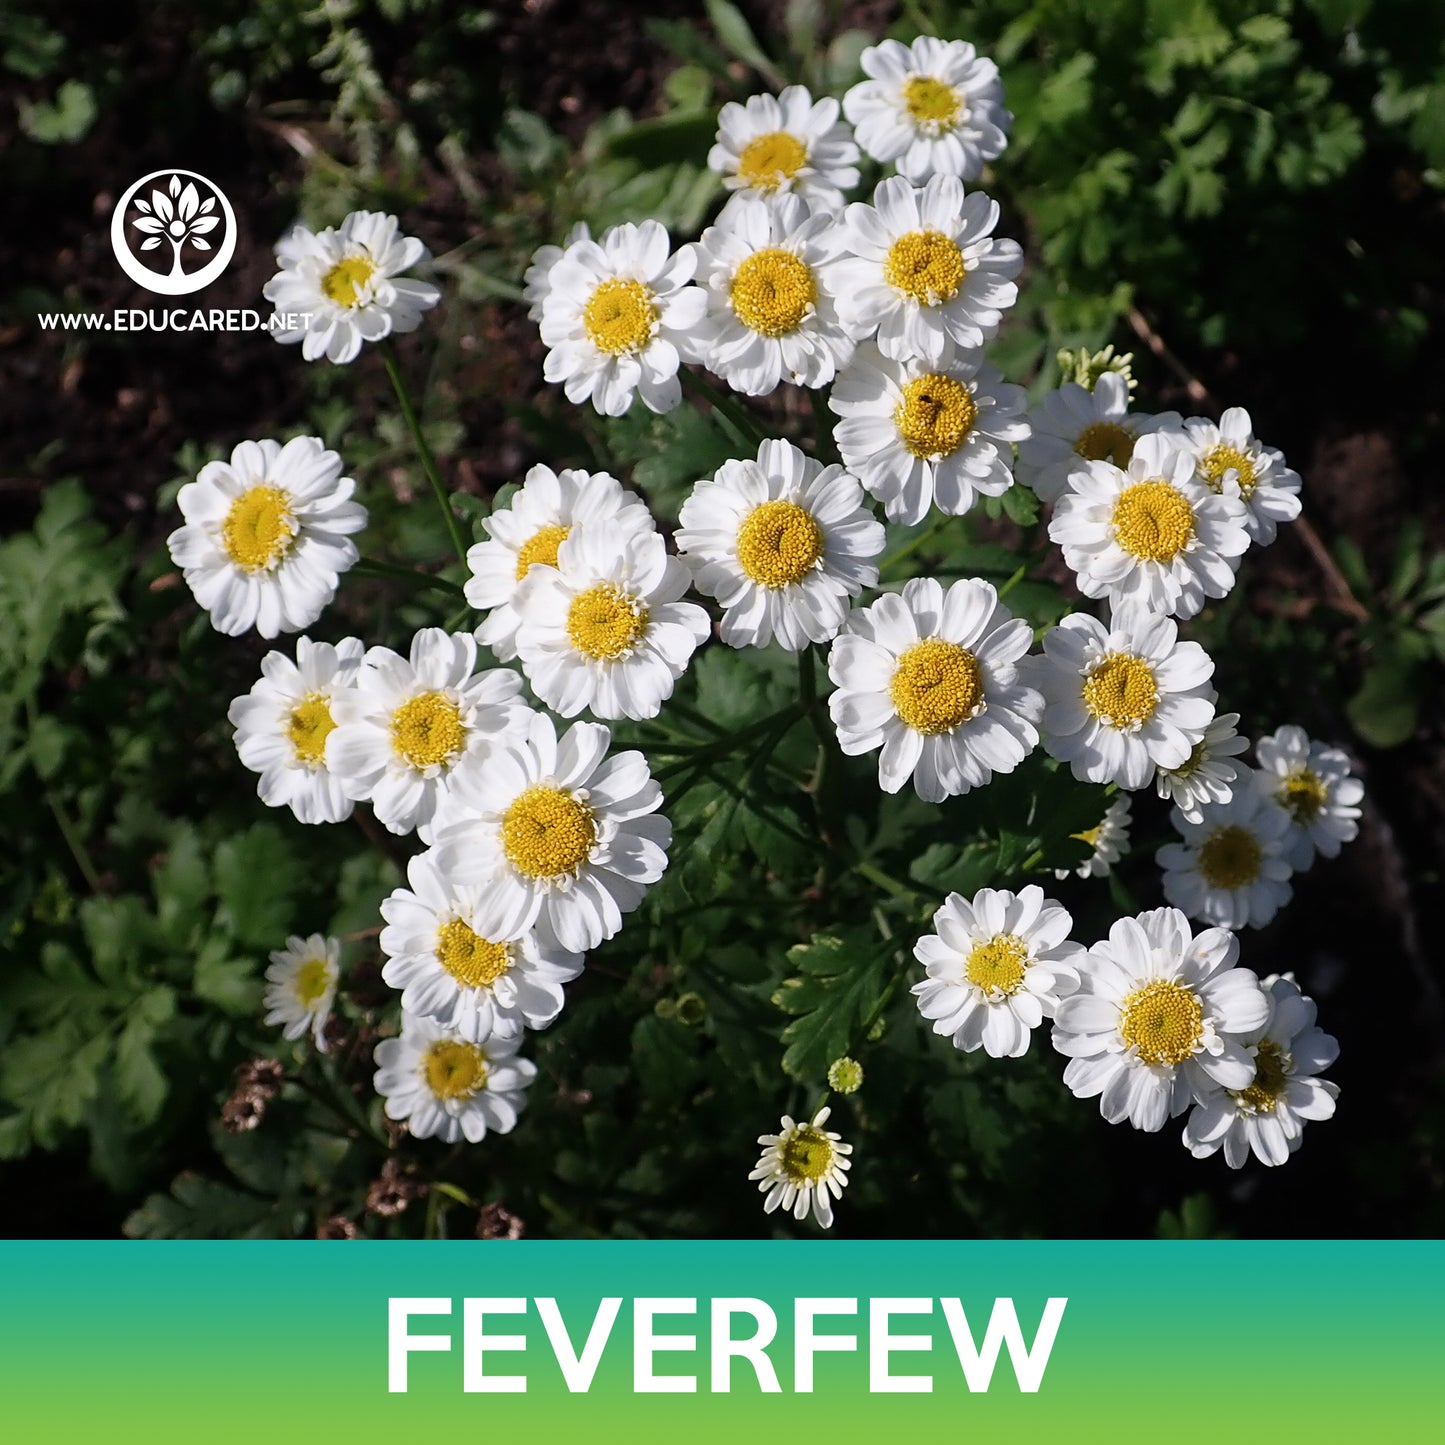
(408, 721)
(1159, 1019)
(1230, 459)
(267, 535)
(923, 269)
(444, 1087)
(1151, 534)
(1267, 1119)
(283, 723)
(931, 678)
(1121, 700)
(1231, 868)
(1313, 783)
(1074, 425)
(997, 967)
(1208, 774)
(347, 282)
(766, 268)
(530, 530)
(782, 542)
(605, 628)
(619, 317)
(537, 279)
(554, 835)
(800, 1166)
(933, 108)
(1109, 838)
(301, 986)
(458, 977)
(919, 434)
(771, 146)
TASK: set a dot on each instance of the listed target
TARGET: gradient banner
(278, 1342)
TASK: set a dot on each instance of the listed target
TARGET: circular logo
(176, 216)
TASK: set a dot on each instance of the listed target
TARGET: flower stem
(370, 566)
(890, 562)
(740, 421)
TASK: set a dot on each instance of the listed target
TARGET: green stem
(68, 830)
(885, 881)
(729, 743)
(891, 562)
(740, 420)
(370, 567)
(1012, 582)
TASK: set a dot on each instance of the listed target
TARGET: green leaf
(67, 118)
(737, 36)
(231, 984)
(200, 1208)
(1385, 710)
(841, 978)
(256, 877)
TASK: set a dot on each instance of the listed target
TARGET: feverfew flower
(1267, 1119)
(1121, 700)
(1074, 425)
(455, 975)
(1312, 782)
(782, 542)
(537, 279)
(301, 986)
(934, 108)
(766, 268)
(283, 723)
(605, 628)
(772, 146)
(1151, 534)
(529, 530)
(920, 435)
(408, 721)
(618, 317)
(267, 535)
(1208, 774)
(997, 967)
(800, 1166)
(1231, 868)
(931, 678)
(923, 270)
(347, 283)
(1231, 460)
(1108, 838)
(443, 1086)
(1159, 1020)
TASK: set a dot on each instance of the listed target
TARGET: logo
(178, 216)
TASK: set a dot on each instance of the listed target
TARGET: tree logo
(183, 211)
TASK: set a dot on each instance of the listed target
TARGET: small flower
(1109, 839)
(1208, 774)
(1313, 783)
(537, 279)
(1232, 461)
(789, 144)
(1267, 1119)
(933, 108)
(782, 542)
(997, 967)
(347, 286)
(931, 678)
(845, 1075)
(919, 434)
(301, 986)
(618, 318)
(800, 1165)
(267, 535)
(1159, 1020)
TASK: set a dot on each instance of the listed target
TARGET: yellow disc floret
(773, 292)
(604, 622)
(541, 547)
(932, 105)
(1230, 857)
(1121, 691)
(1106, 441)
(427, 730)
(936, 686)
(259, 529)
(1162, 1022)
(998, 966)
(1153, 521)
(313, 978)
(1270, 1078)
(308, 727)
(807, 1155)
(925, 266)
(769, 160)
(621, 316)
(347, 279)
(779, 543)
(935, 416)
(474, 961)
(547, 833)
(1304, 795)
(1223, 459)
(453, 1069)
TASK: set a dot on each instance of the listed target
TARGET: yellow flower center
(345, 281)
(1153, 521)
(1163, 1022)
(541, 547)
(997, 967)
(1225, 458)
(472, 960)
(547, 833)
(259, 528)
(1230, 857)
(1270, 1078)
(779, 543)
(1198, 756)
(604, 623)
(1090, 836)
(453, 1069)
(308, 727)
(932, 105)
(1304, 795)
(807, 1155)
(427, 730)
(773, 291)
(926, 266)
(1121, 691)
(1106, 441)
(313, 978)
(936, 686)
(769, 160)
(935, 416)
(620, 317)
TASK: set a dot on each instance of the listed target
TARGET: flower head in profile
(1107, 840)
(801, 1166)
(1209, 774)
(177, 216)
(537, 279)
(301, 986)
